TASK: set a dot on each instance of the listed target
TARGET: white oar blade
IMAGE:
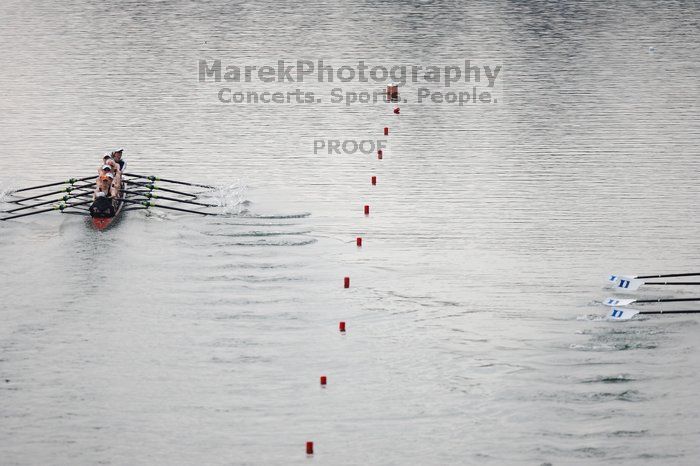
(614, 279)
(622, 314)
(618, 302)
(628, 285)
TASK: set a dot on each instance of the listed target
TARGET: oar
(60, 207)
(627, 313)
(614, 279)
(626, 302)
(629, 284)
(667, 275)
(670, 275)
(156, 178)
(64, 198)
(150, 195)
(153, 187)
(672, 283)
(70, 181)
(69, 189)
(151, 204)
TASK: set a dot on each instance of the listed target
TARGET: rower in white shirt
(117, 155)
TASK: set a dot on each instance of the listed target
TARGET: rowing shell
(102, 223)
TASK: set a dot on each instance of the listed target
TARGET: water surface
(179, 339)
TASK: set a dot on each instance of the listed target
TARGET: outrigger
(76, 197)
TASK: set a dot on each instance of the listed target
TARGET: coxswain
(104, 197)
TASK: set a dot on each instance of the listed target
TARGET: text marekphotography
(308, 82)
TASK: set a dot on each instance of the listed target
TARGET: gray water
(474, 330)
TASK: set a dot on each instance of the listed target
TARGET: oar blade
(617, 313)
(614, 302)
(614, 279)
(611, 280)
(628, 285)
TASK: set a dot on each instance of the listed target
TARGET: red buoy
(374, 181)
(386, 131)
(397, 110)
(392, 91)
(358, 241)
(323, 380)
(346, 282)
(309, 448)
(380, 154)
(341, 326)
(366, 210)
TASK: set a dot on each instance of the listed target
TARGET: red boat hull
(102, 223)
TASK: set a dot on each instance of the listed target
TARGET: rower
(108, 165)
(111, 166)
(103, 187)
(117, 155)
(113, 185)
